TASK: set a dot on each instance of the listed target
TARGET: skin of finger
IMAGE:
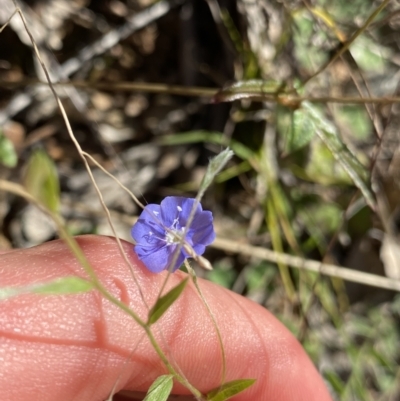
(78, 347)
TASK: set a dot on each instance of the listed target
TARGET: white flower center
(174, 236)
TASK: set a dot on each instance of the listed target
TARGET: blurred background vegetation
(305, 92)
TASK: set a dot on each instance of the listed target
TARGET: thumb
(78, 347)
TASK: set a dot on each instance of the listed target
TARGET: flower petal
(199, 249)
(156, 261)
(187, 206)
(202, 229)
(148, 222)
(173, 207)
(158, 227)
(179, 260)
(160, 259)
(170, 209)
(201, 220)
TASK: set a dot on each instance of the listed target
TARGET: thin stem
(221, 344)
(78, 253)
(78, 147)
(170, 368)
(72, 245)
(8, 21)
(147, 87)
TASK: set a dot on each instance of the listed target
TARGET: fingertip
(85, 345)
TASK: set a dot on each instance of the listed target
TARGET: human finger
(78, 347)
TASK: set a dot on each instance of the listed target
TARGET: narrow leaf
(329, 135)
(166, 301)
(216, 164)
(253, 88)
(60, 286)
(160, 389)
(41, 180)
(229, 389)
(65, 285)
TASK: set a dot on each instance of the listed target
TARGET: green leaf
(300, 132)
(165, 302)
(329, 135)
(65, 285)
(233, 171)
(8, 156)
(41, 180)
(229, 389)
(252, 88)
(160, 389)
(216, 164)
(59, 286)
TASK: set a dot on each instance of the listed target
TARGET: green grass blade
(273, 227)
(330, 136)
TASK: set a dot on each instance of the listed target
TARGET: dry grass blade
(149, 87)
(344, 273)
(79, 149)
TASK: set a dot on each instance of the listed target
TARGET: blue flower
(159, 230)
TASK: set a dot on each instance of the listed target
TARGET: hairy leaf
(216, 164)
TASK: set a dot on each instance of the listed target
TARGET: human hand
(77, 347)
